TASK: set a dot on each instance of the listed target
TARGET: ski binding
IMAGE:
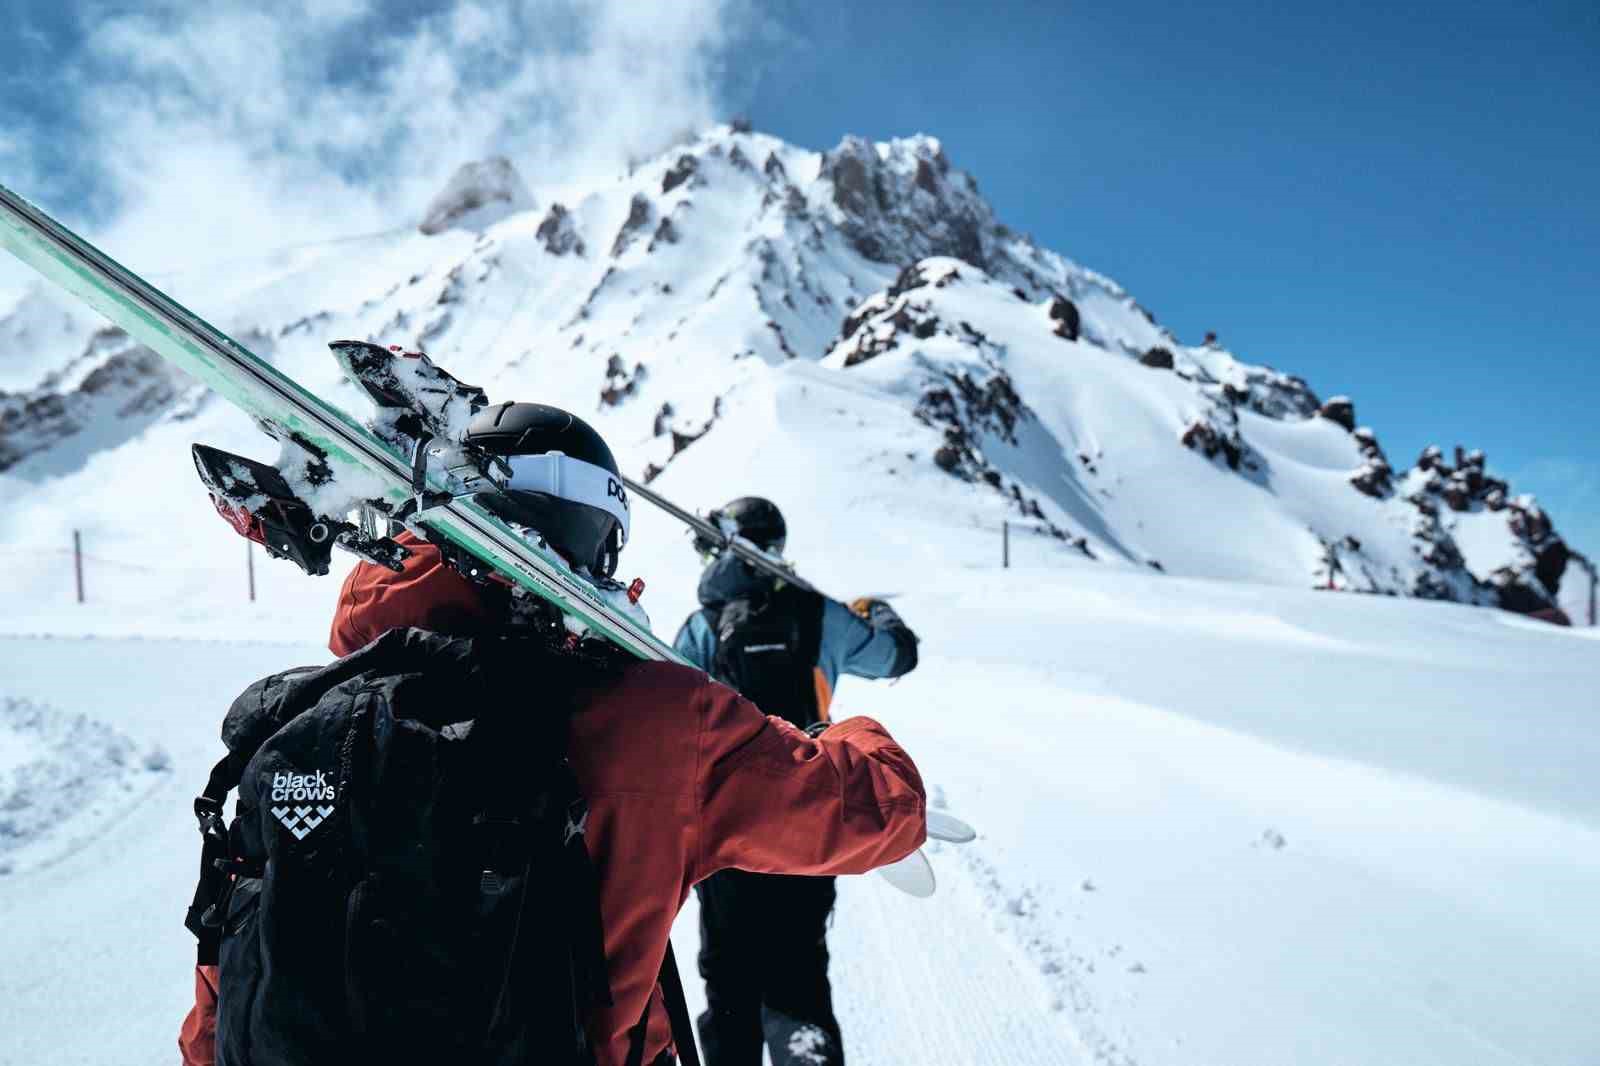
(422, 412)
(256, 500)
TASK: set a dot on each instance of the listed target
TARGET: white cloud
(219, 128)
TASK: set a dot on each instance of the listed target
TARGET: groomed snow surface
(1219, 824)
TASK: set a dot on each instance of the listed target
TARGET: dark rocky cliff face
(114, 384)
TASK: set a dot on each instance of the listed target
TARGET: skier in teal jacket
(763, 952)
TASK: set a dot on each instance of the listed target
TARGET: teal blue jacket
(849, 644)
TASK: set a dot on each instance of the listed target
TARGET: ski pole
(763, 561)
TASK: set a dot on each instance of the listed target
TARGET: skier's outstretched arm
(866, 639)
(774, 800)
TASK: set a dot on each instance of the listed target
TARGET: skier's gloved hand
(880, 616)
(878, 613)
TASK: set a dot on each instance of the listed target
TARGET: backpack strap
(218, 869)
(678, 1011)
(677, 1017)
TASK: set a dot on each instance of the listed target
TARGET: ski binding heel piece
(257, 501)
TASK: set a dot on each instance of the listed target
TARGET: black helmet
(757, 520)
(564, 481)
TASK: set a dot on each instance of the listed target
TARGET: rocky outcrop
(1530, 583)
(906, 203)
(1064, 313)
(558, 234)
(477, 196)
(621, 383)
(1341, 410)
(1375, 477)
(1274, 394)
(115, 388)
(969, 408)
(639, 215)
(679, 173)
(1205, 436)
(666, 233)
(883, 321)
(1157, 359)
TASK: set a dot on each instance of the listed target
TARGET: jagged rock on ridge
(1207, 439)
(1064, 313)
(1375, 478)
(639, 214)
(906, 205)
(1342, 410)
(680, 172)
(558, 234)
(621, 383)
(666, 233)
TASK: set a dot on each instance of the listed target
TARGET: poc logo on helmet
(302, 801)
(614, 490)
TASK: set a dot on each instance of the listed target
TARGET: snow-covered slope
(865, 302)
(1221, 825)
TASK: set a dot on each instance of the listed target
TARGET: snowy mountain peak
(861, 305)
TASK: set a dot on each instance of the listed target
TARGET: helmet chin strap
(605, 564)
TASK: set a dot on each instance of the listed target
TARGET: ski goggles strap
(560, 475)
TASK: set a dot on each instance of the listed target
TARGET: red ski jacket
(683, 778)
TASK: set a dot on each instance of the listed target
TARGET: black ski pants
(765, 963)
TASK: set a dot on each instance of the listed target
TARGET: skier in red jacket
(682, 776)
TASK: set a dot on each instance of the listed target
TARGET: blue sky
(1397, 202)
(1400, 202)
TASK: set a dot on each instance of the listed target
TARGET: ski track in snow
(942, 980)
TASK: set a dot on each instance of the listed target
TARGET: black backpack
(405, 879)
(768, 645)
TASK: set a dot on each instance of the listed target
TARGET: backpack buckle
(208, 812)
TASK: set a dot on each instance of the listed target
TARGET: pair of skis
(330, 463)
(339, 483)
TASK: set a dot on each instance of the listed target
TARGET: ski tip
(950, 829)
(912, 875)
(350, 351)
